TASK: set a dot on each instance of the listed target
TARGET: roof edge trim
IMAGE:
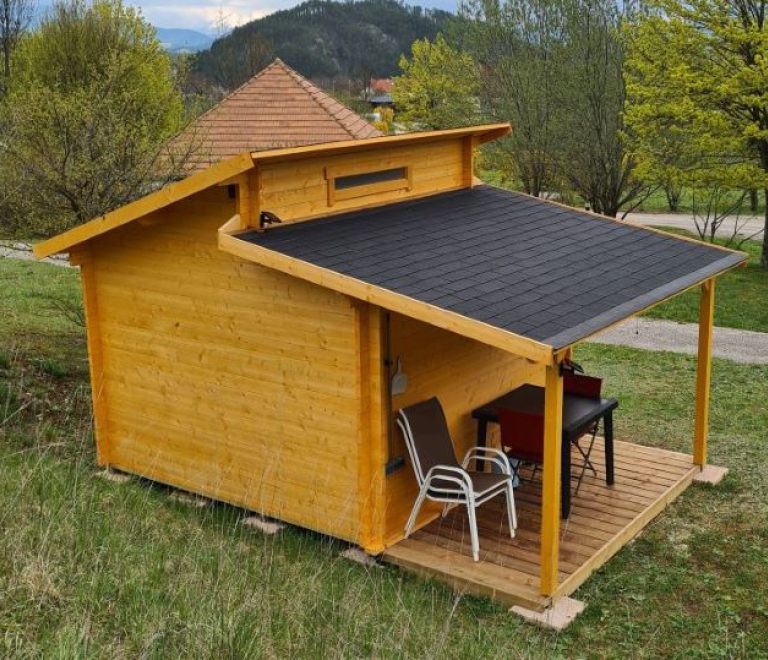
(645, 302)
(442, 318)
(149, 203)
(484, 133)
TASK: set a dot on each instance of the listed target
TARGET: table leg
(565, 478)
(609, 447)
(482, 430)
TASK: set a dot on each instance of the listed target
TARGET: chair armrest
(497, 457)
(462, 479)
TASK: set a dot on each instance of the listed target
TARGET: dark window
(356, 180)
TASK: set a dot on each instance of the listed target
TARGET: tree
(519, 48)
(15, 18)
(238, 60)
(91, 104)
(697, 79)
(594, 157)
(438, 88)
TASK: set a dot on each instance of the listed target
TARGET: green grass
(741, 296)
(89, 568)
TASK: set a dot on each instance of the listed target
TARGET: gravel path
(738, 345)
(23, 251)
(748, 225)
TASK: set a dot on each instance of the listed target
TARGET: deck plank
(602, 521)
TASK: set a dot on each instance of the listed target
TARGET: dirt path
(738, 345)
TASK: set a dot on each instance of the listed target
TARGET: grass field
(89, 568)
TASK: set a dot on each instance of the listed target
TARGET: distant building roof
(276, 108)
(382, 99)
(382, 85)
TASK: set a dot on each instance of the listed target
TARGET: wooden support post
(247, 197)
(469, 145)
(95, 356)
(373, 428)
(704, 373)
(550, 496)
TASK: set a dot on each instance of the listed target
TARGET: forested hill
(323, 39)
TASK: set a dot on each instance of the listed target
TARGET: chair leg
(511, 510)
(587, 464)
(473, 532)
(446, 509)
(415, 511)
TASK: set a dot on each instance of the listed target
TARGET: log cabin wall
(463, 374)
(220, 376)
(299, 190)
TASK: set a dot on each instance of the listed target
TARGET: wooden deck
(602, 521)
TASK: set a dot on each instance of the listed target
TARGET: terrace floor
(603, 519)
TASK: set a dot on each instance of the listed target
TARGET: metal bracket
(268, 218)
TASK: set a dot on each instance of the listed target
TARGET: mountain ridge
(327, 39)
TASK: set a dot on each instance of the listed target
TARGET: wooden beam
(442, 318)
(550, 494)
(704, 372)
(484, 133)
(95, 355)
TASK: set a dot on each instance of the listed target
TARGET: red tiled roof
(382, 85)
(276, 108)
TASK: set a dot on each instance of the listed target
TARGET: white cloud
(205, 16)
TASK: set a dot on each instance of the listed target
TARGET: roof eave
(484, 133)
(148, 204)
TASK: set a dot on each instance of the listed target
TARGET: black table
(579, 413)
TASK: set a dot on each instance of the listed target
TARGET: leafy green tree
(519, 47)
(92, 101)
(697, 79)
(438, 88)
(594, 156)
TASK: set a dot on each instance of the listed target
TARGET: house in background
(243, 325)
(379, 95)
(277, 108)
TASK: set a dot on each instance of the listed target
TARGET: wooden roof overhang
(515, 272)
(233, 169)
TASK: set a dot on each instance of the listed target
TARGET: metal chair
(590, 388)
(439, 475)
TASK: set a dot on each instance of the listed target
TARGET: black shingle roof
(521, 264)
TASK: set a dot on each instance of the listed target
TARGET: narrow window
(345, 184)
(355, 180)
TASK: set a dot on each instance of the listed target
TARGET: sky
(203, 15)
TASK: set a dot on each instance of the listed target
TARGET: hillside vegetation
(322, 39)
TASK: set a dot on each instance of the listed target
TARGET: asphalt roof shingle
(540, 270)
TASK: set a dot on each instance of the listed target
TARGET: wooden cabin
(244, 325)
